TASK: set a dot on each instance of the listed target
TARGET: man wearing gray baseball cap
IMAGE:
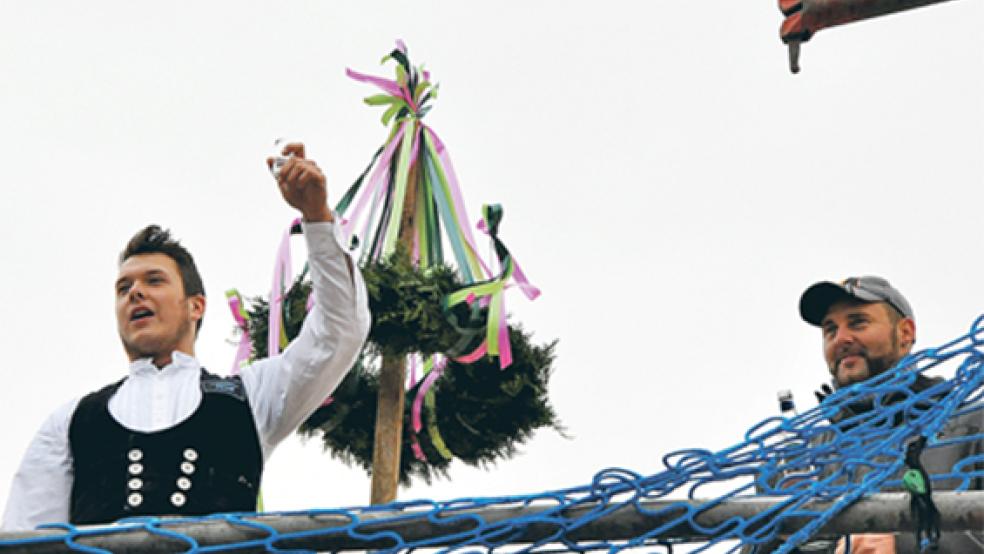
(867, 327)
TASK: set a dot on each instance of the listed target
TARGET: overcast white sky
(667, 183)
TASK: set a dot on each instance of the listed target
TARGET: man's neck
(161, 361)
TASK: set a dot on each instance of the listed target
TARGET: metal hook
(794, 55)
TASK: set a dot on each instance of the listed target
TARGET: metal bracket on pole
(804, 18)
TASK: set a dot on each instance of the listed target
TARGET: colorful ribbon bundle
(414, 161)
(410, 193)
(414, 166)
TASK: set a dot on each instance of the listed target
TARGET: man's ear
(907, 332)
(196, 306)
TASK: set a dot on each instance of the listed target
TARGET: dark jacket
(942, 457)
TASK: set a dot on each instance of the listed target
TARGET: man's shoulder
(102, 394)
(968, 421)
(108, 389)
(56, 425)
(231, 385)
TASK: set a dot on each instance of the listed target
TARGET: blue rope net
(852, 444)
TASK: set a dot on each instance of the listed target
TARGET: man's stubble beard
(875, 366)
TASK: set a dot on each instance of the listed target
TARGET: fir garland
(482, 412)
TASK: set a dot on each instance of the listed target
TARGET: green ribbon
(492, 288)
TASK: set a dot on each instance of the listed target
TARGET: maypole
(477, 386)
(392, 382)
(406, 184)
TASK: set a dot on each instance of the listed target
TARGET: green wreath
(481, 413)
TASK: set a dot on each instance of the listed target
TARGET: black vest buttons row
(135, 484)
(187, 468)
(178, 499)
(184, 483)
(190, 454)
(135, 455)
(135, 499)
(135, 469)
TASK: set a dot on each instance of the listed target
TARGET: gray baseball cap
(820, 296)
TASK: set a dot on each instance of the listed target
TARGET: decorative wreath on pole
(477, 387)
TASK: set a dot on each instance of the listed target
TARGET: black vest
(210, 462)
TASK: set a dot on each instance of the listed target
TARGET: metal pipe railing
(877, 513)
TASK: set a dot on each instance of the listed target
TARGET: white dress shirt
(283, 390)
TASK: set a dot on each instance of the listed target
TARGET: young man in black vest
(171, 438)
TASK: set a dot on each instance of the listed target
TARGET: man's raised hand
(302, 184)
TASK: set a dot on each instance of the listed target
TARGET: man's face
(861, 340)
(152, 313)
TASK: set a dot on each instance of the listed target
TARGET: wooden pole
(388, 442)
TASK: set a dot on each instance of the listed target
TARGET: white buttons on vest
(187, 468)
(135, 455)
(135, 469)
(190, 454)
(135, 499)
(184, 483)
(135, 484)
(178, 499)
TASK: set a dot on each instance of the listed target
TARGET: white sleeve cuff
(323, 238)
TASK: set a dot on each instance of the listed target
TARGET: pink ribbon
(531, 292)
(242, 353)
(375, 186)
(415, 151)
(518, 277)
(474, 356)
(417, 137)
(418, 403)
(440, 365)
(281, 279)
(505, 348)
(415, 446)
(456, 197)
(388, 86)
